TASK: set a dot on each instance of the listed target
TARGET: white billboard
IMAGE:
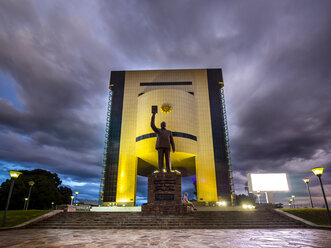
(267, 182)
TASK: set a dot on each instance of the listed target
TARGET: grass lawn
(318, 216)
(15, 217)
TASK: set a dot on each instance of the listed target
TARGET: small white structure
(267, 183)
(116, 209)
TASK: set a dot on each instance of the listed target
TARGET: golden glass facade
(189, 118)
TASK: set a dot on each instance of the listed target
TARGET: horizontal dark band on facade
(164, 83)
(175, 134)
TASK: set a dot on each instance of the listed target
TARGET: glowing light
(306, 180)
(222, 203)
(76, 192)
(269, 182)
(247, 206)
(14, 174)
(318, 171)
(176, 171)
(31, 183)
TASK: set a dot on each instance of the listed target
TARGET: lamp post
(76, 192)
(13, 176)
(293, 196)
(291, 203)
(31, 183)
(258, 197)
(52, 205)
(72, 198)
(318, 171)
(25, 201)
(306, 180)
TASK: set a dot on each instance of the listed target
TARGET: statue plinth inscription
(164, 194)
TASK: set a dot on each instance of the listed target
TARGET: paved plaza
(166, 238)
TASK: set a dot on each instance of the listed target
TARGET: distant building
(87, 202)
(191, 102)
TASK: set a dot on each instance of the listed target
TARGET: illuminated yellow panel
(205, 167)
(189, 114)
(127, 164)
(182, 118)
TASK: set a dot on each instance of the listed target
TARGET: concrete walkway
(235, 238)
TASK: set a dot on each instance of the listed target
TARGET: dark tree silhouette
(245, 199)
(46, 190)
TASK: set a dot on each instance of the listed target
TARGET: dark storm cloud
(275, 58)
(288, 118)
(55, 62)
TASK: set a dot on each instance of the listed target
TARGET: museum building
(191, 102)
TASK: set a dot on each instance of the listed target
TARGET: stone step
(206, 226)
(194, 220)
(165, 220)
(167, 224)
(171, 227)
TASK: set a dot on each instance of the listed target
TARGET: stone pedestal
(164, 194)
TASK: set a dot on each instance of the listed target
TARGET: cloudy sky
(56, 57)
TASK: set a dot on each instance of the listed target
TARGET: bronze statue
(163, 142)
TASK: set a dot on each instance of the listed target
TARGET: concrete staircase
(194, 220)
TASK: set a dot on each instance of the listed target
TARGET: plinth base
(163, 210)
(164, 194)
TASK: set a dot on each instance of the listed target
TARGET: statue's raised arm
(155, 129)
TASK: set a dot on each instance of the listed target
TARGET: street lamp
(76, 192)
(13, 176)
(258, 197)
(293, 196)
(306, 180)
(31, 183)
(318, 171)
(72, 198)
(25, 201)
(291, 203)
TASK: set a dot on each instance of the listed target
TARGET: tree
(46, 190)
(245, 199)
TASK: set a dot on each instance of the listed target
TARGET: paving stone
(166, 238)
